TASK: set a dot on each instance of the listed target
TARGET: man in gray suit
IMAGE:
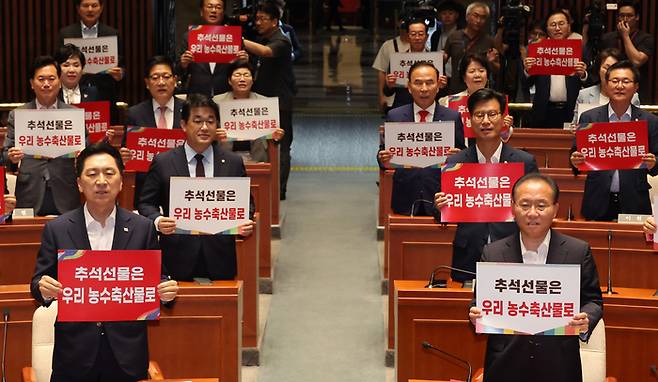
(46, 185)
(541, 358)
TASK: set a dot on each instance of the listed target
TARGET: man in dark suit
(555, 96)
(185, 256)
(89, 26)
(46, 185)
(162, 110)
(96, 351)
(72, 63)
(413, 189)
(611, 192)
(541, 358)
(209, 78)
(486, 107)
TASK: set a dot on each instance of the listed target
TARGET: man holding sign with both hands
(613, 191)
(544, 357)
(98, 351)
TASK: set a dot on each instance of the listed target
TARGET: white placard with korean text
(209, 205)
(101, 53)
(419, 144)
(249, 119)
(527, 298)
(49, 133)
(401, 62)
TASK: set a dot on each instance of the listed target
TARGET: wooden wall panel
(30, 28)
(648, 23)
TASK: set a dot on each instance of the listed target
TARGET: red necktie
(423, 115)
(162, 121)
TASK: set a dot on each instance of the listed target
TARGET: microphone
(5, 324)
(413, 205)
(609, 287)
(428, 346)
(431, 284)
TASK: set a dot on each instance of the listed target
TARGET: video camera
(514, 15)
(418, 9)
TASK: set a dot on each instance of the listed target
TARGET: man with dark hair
(412, 188)
(271, 55)
(90, 12)
(162, 110)
(555, 96)
(611, 192)
(185, 256)
(636, 46)
(46, 185)
(96, 351)
(486, 107)
(541, 358)
(72, 63)
(382, 62)
(207, 78)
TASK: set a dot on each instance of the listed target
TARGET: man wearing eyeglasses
(486, 107)
(185, 256)
(541, 358)
(611, 192)
(271, 56)
(636, 46)
(555, 96)
(207, 78)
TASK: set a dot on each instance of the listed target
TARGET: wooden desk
(440, 317)
(261, 189)
(273, 155)
(20, 304)
(19, 244)
(550, 147)
(385, 192)
(199, 336)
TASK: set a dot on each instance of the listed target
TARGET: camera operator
(635, 45)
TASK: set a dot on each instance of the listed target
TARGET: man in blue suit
(611, 192)
(486, 107)
(96, 351)
(413, 189)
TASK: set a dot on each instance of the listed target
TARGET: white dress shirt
(495, 157)
(539, 256)
(100, 238)
(89, 32)
(42, 107)
(612, 117)
(208, 161)
(169, 113)
(430, 110)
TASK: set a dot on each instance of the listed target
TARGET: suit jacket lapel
(180, 162)
(178, 105)
(220, 167)
(557, 253)
(122, 229)
(513, 253)
(77, 230)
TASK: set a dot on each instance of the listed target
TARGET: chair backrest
(43, 340)
(592, 355)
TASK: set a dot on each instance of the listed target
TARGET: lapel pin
(125, 229)
(223, 161)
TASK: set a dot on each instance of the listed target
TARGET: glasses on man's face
(621, 81)
(262, 19)
(478, 16)
(561, 24)
(214, 7)
(158, 76)
(417, 34)
(539, 206)
(493, 115)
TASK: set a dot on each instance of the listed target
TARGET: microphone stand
(431, 282)
(5, 324)
(609, 287)
(427, 345)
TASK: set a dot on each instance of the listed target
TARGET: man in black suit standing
(162, 111)
(46, 185)
(413, 189)
(185, 256)
(611, 192)
(541, 358)
(486, 107)
(96, 351)
(90, 27)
